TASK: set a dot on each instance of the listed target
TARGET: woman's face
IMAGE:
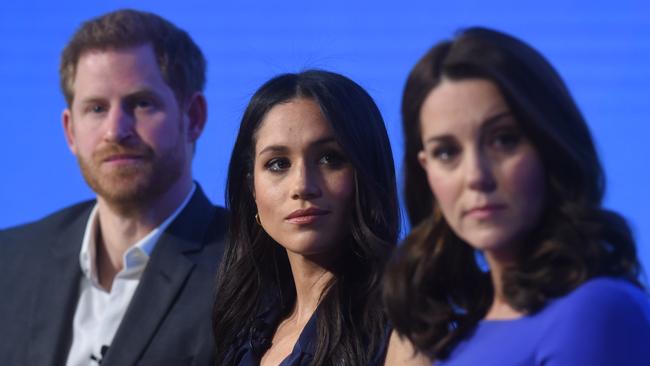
(303, 182)
(486, 176)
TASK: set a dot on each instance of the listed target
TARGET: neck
(120, 227)
(500, 308)
(310, 279)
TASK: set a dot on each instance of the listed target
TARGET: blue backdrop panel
(602, 51)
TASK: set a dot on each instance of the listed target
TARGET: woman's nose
(305, 182)
(479, 170)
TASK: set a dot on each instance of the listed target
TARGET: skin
(299, 165)
(486, 176)
(134, 144)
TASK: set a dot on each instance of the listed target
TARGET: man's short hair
(180, 60)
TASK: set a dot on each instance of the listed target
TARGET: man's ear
(68, 130)
(197, 113)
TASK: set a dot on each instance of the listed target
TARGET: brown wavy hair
(435, 274)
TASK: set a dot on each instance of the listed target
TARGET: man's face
(125, 126)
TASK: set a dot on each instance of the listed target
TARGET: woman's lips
(485, 211)
(306, 216)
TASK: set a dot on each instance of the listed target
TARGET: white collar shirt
(99, 312)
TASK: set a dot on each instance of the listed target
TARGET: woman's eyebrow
(274, 149)
(498, 117)
(490, 121)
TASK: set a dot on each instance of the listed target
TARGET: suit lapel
(161, 282)
(56, 296)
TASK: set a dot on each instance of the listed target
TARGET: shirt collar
(136, 257)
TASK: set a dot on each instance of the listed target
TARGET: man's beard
(137, 184)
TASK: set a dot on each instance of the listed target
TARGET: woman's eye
(277, 165)
(445, 153)
(506, 140)
(332, 159)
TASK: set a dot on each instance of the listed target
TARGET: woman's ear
(422, 159)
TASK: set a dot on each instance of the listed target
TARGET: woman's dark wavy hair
(434, 274)
(351, 322)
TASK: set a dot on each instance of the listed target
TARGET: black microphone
(102, 354)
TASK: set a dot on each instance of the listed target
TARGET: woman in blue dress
(512, 260)
(313, 200)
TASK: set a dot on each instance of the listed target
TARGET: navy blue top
(605, 321)
(253, 345)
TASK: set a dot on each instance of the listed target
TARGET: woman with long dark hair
(312, 194)
(512, 260)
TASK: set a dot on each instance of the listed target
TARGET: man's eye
(143, 103)
(97, 108)
(277, 165)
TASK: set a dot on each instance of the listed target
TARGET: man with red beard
(127, 278)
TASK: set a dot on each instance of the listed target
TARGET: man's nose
(119, 126)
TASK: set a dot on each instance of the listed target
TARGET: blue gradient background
(602, 49)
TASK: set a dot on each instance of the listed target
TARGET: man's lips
(118, 157)
(306, 216)
(123, 159)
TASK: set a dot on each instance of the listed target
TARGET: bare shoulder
(402, 352)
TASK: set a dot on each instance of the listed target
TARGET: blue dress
(257, 341)
(605, 321)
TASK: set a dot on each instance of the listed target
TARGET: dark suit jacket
(168, 321)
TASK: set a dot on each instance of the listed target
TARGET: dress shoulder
(602, 322)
